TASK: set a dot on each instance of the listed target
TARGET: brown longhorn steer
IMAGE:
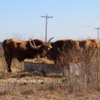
(23, 49)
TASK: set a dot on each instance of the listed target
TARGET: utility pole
(98, 54)
(46, 17)
(97, 32)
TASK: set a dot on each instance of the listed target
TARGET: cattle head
(41, 49)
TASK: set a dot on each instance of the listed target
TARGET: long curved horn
(34, 47)
(32, 41)
(48, 45)
(50, 40)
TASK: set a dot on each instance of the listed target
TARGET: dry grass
(40, 60)
(20, 85)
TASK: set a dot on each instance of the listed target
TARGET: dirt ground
(20, 85)
(28, 86)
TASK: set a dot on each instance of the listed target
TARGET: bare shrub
(89, 70)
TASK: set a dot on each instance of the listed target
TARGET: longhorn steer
(23, 49)
(64, 52)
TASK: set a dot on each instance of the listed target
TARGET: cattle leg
(8, 61)
(9, 67)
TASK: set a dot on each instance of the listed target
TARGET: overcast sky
(72, 19)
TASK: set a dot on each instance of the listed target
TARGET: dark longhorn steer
(23, 49)
(65, 52)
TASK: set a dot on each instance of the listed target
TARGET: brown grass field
(21, 85)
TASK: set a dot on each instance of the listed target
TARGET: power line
(46, 17)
